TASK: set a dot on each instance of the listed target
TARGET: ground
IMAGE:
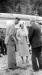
(19, 71)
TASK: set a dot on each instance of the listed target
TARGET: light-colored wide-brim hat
(20, 23)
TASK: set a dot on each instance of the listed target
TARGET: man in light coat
(10, 41)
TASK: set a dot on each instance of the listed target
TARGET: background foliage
(33, 7)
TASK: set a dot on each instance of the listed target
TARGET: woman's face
(22, 26)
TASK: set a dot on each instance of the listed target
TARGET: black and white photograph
(20, 37)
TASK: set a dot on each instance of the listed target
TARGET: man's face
(16, 21)
(32, 23)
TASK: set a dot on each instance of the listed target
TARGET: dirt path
(19, 71)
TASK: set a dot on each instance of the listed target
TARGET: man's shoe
(13, 68)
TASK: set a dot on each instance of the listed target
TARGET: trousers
(36, 55)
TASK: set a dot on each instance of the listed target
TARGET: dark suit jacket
(35, 37)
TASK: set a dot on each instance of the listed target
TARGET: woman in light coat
(22, 46)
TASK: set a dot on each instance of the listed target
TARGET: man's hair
(17, 18)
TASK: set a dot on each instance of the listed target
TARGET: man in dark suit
(35, 41)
